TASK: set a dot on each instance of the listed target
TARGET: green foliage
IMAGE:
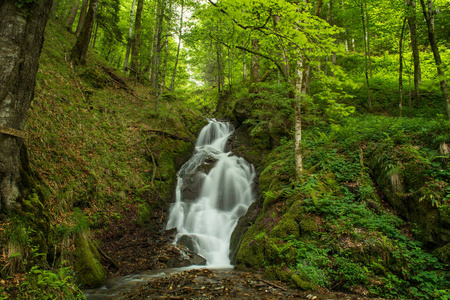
(45, 284)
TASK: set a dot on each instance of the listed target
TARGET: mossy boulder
(241, 229)
(251, 250)
(286, 227)
(443, 253)
(278, 273)
(303, 284)
(89, 272)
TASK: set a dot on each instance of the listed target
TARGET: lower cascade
(214, 190)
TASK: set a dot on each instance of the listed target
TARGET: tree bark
(137, 37)
(166, 48)
(180, 32)
(255, 74)
(366, 56)
(72, 15)
(400, 70)
(82, 18)
(21, 39)
(412, 23)
(79, 51)
(130, 36)
(157, 51)
(429, 17)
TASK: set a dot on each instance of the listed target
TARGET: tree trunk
(366, 56)
(254, 68)
(157, 51)
(244, 68)
(79, 51)
(180, 32)
(130, 37)
(299, 93)
(21, 39)
(137, 37)
(166, 49)
(82, 18)
(429, 17)
(368, 39)
(412, 23)
(400, 70)
(72, 15)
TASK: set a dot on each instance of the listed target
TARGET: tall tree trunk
(21, 39)
(82, 18)
(137, 37)
(244, 68)
(157, 51)
(95, 35)
(72, 15)
(80, 50)
(299, 94)
(368, 38)
(166, 48)
(429, 17)
(180, 32)
(400, 70)
(412, 23)
(130, 37)
(255, 75)
(366, 56)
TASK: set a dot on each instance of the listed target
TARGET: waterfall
(213, 192)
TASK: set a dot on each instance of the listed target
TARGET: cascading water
(205, 218)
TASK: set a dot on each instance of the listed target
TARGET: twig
(108, 258)
(274, 285)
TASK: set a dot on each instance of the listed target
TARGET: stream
(214, 189)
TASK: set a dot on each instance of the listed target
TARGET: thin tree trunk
(80, 50)
(21, 39)
(166, 48)
(137, 38)
(244, 68)
(400, 70)
(368, 39)
(180, 32)
(429, 17)
(130, 37)
(365, 56)
(157, 52)
(412, 23)
(95, 35)
(82, 18)
(299, 93)
(72, 15)
(254, 67)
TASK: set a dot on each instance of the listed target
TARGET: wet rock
(190, 242)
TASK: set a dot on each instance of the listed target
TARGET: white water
(224, 197)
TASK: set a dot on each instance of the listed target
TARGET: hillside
(102, 158)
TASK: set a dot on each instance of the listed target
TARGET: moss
(308, 225)
(286, 227)
(302, 284)
(279, 252)
(88, 270)
(443, 253)
(251, 250)
(278, 273)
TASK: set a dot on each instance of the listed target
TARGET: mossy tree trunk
(21, 39)
(137, 38)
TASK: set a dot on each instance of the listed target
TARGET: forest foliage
(346, 103)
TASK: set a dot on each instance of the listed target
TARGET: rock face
(411, 193)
